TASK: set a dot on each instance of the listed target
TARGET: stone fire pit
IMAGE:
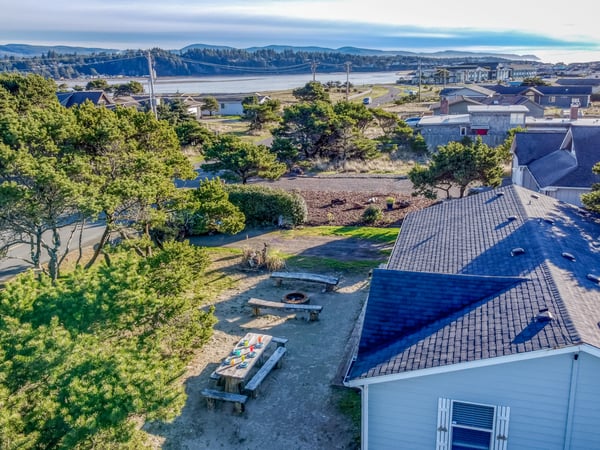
(297, 298)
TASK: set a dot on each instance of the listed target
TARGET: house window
(222, 105)
(517, 118)
(463, 131)
(467, 426)
(552, 99)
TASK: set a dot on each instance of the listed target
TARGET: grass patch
(381, 235)
(310, 263)
(349, 405)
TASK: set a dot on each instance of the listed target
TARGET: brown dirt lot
(346, 208)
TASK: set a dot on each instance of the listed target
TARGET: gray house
(490, 122)
(482, 332)
(557, 162)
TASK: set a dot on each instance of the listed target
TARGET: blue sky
(552, 33)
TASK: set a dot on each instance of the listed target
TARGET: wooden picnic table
(234, 374)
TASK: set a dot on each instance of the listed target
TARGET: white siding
(586, 418)
(403, 414)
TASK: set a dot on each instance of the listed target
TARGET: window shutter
(501, 437)
(443, 424)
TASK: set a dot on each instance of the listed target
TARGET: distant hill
(25, 50)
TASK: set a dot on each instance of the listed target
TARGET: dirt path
(297, 407)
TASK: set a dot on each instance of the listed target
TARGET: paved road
(342, 183)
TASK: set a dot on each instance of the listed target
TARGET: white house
(483, 330)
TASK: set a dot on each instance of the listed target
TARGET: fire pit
(297, 298)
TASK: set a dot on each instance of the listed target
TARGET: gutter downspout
(364, 417)
(571, 406)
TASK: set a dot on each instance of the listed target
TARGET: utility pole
(347, 78)
(313, 69)
(152, 96)
(419, 98)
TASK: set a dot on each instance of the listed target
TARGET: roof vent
(535, 196)
(568, 256)
(517, 251)
(544, 315)
(512, 218)
(499, 194)
(550, 221)
(594, 278)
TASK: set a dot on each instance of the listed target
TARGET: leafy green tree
(133, 87)
(192, 134)
(591, 200)
(174, 112)
(98, 85)
(40, 179)
(28, 91)
(214, 212)
(133, 159)
(80, 357)
(356, 115)
(534, 81)
(456, 165)
(242, 159)
(261, 114)
(308, 126)
(210, 104)
(285, 151)
(311, 92)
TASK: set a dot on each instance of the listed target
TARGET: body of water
(250, 83)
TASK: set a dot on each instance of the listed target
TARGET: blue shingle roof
(532, 145)
(453, 292)
(550, 166)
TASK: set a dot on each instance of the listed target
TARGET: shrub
(372, 214)
(262, 259)
(264, 206)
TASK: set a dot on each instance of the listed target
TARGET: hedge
(264, 206)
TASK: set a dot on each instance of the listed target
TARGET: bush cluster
(263, 206)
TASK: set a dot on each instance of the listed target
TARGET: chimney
(574, 112)
(444, 106)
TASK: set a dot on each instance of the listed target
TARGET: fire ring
(297, 298)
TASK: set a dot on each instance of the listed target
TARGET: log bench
(280, 341)
(258, 304)
(329, 282)
(274, 361)
(213, 395)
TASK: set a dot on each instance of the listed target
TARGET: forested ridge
(211, 61)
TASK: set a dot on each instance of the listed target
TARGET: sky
(553, 32)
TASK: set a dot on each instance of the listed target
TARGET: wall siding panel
(403, 414)
(586, 419)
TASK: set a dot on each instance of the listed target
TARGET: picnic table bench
(328, 281)
(258, 303)
(212, 395)
(274, 361)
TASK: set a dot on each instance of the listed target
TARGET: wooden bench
(258, 303)
(279, 341)
(211, 395)
(329, 282)
(274, 361)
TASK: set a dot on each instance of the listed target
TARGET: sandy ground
(297, 407)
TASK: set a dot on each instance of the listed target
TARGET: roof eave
(356, 382)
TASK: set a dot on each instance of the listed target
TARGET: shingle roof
(70, 99)
(553, 167)
(532, 145)
(453, 292)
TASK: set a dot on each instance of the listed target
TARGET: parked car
(412, 121)
(367, 101)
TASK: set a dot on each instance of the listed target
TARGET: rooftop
(457, 290)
